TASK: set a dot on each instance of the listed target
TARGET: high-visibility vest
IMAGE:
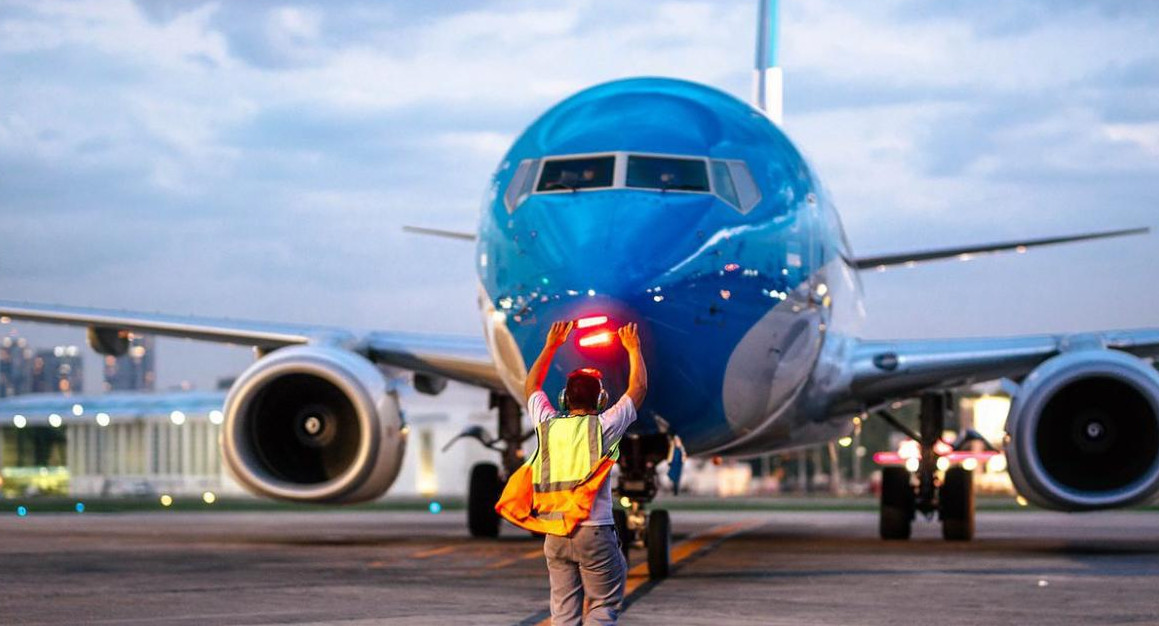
(555, 489)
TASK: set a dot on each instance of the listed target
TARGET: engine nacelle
(1083, 432)
(313, 424)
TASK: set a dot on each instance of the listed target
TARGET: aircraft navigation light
(731, 267)
(216, 417)
(166, 500)
(657, 298)
(209, 497)
(78, 410)
(177, 417)
(912, 464)
(102, 419)
(593, 340)
(19, 421)
(591, 292)
(588, 322)
(822, 289)
(55, 420)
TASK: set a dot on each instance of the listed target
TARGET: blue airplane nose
(614, 244)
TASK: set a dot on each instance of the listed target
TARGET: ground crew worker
(563, 489)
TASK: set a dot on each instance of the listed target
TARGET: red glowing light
(588, 322)
(731, 267)
(603, 338)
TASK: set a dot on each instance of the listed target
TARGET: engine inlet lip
(1115, 366)
(251, 473)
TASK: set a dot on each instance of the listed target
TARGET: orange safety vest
(555, 489)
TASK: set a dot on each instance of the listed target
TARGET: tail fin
(768, 81)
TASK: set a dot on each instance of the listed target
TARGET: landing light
(596, 339)
(588, 322)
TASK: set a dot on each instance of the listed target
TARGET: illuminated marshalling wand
(768, 80)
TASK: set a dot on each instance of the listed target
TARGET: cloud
(257, 159)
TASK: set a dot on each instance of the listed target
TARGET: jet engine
(313, 424)
(1083, 432)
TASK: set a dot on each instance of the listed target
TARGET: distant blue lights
(22, 511)
(435, 508)
(80, 507)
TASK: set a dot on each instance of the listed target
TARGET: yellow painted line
(425, 554)
(638, 575)
(530, 554)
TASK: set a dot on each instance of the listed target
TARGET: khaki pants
(587, 562)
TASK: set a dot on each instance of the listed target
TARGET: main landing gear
(952, 498)
(638, 484)
(488, 479)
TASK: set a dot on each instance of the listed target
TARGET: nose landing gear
(638, 484)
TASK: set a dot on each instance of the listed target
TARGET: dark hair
(582, 392)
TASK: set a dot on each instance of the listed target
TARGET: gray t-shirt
(614, 421)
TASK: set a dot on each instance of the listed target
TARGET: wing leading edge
(887, 370)
(884, 261)
(456, 357)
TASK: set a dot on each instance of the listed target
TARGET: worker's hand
(558, 333)
(629, 337)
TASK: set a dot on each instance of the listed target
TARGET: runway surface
(411, 568)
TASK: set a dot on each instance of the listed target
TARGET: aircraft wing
(881, 262)
(886, 370)
(461, 358)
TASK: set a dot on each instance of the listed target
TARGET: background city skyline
(257, 160)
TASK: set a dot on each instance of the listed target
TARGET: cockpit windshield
(575, 174)
(667, 173)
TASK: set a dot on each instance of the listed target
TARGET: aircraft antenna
(768, 80)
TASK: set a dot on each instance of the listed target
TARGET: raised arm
(556, 335)
(637, 373)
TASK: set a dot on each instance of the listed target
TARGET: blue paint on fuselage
(692, 270)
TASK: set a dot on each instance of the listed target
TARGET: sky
(258, 159)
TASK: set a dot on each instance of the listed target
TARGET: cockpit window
(667, 174)
(574, 174)
(722, 182)
(520, 185)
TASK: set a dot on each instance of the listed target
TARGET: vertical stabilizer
(768, 81)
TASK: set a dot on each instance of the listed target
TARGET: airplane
(685, 210)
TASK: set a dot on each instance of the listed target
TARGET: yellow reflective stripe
(567, 442)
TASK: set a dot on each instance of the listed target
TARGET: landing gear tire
(897, 504)
(620, 518)
(658, 540)
(482, 494)
(956, 505)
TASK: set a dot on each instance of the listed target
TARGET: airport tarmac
(820, 567)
